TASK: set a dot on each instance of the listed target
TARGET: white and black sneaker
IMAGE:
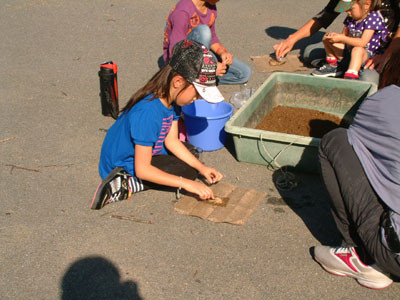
(327, 70)
(117, 186)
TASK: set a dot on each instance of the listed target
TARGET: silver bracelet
(178, 191)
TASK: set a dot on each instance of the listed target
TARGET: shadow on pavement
(96, 278)
(282, 33)
(308, 199)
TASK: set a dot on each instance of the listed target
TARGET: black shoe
(327, 70)
(115, 187)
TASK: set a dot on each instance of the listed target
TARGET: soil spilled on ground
(299, 121)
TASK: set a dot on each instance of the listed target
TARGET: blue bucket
(205, 123)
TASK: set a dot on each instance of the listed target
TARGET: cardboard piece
(240, 206)
(292, 64)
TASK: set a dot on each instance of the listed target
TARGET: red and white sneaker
(345, 262)
(351, 76)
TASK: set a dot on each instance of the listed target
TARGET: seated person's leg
(237, 73)
(314, 55)
(172, 165)
(369, 75)
(201, 34)
(335, 155)
(356, 211)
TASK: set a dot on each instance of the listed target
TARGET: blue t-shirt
(147, 123)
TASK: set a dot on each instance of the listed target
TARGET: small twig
(22, 168)
(131, 219)
(56, 166)
(7, 140)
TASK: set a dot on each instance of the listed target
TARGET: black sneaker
(327, 70)
(115, 187)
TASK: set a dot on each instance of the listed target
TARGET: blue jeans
(314, 53)
(237, 73)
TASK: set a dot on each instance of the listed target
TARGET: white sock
(352, 71)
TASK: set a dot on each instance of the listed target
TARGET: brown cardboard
(241, 204)
(292, 64)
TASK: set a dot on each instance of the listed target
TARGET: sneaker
(345, 262)
(327, 70)
(350, 76)
(115, 187)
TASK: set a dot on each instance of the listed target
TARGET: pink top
(182, 19)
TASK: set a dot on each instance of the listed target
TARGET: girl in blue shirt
(136, 150)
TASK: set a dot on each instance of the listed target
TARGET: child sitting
(141, 149)
(195, 20)
(364, 35)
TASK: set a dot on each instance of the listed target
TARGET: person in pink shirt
(195, 20)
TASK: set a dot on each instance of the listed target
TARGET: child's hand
(221, 69)
(326, 36)
(227, 58)
(333, 37)
(211, 174)
(199, 188)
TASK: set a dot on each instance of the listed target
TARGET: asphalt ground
(54, 247)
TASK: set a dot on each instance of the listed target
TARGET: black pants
(355, 206)
(172, 165)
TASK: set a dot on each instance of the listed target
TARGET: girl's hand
(198, 188)
(221, 69)
(334, 37)
(227, 58)
(326, 36)
(211, 174)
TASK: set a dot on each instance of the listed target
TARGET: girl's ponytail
(159, 85)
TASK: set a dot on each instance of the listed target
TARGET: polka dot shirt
(375, 22)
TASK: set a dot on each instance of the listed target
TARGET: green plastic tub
(335, 96)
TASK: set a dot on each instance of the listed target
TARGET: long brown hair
(159, 85)
(391, 72)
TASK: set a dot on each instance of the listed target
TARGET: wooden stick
(22, 168)
(131, 219)
(7, 140)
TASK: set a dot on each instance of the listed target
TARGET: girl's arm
(352, 41)
(146, 171)
(226, 57)
(174, 145)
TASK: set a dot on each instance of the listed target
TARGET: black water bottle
(109, 89)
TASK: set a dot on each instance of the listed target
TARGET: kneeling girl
(141, 149)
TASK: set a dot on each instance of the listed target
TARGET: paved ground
(53, 246)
